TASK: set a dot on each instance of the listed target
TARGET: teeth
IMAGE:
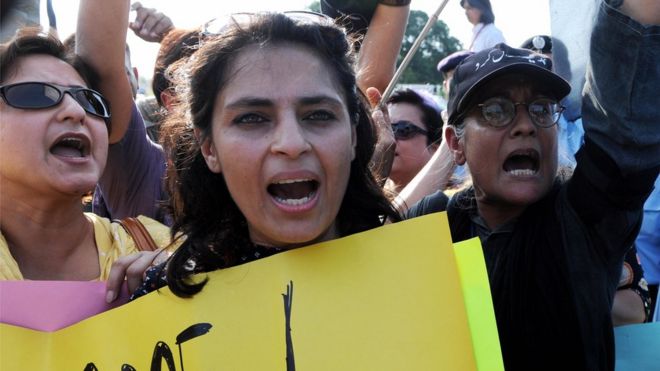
(290, 181)
(293, 202)
(525, 172)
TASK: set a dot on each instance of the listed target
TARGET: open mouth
(293, 192)
(522, 163)
(70, 146)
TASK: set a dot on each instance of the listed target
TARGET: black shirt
(554, 270)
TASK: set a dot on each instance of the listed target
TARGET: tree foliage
(437, 45)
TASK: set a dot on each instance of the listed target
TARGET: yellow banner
(386, 299)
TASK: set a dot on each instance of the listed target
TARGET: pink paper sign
(52, 305)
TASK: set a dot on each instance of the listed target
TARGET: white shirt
(485, 36)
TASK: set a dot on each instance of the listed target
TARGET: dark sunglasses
(405, 130)
(37, 95)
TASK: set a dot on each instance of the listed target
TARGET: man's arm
(101, 41)
(620, 110)
(381, 46)
(620, 158)
(646, 12)
(131, 184)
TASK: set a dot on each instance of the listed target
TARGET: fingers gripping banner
(387, 299)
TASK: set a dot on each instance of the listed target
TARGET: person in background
(151, 115)
(379, 50)
(417, 127)
(118, 169)
(128, 187)
(447, 65)
(101, 41)
(378, 27)
(554, 249)
(153, 26)
(177, 46)
(440, 174)
(484, 33)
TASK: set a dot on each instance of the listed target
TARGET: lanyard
(476, 36)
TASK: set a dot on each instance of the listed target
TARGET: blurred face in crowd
(283, 141)
(412, 149)
(511, 166)
(473, 14)
(58, 150)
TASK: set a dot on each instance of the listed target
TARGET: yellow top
(112, 242)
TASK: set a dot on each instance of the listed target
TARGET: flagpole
(406, 60)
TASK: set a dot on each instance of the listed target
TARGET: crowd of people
(271, 136)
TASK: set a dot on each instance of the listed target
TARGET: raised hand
(150, 24)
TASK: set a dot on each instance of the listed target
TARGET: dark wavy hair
(431, 112)
(178, 44)
(32, 41)
(484, 7)
(215, 229)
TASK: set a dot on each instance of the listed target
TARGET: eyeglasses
(38, 95)
(405, 130)
(217, 26)
(499, 112)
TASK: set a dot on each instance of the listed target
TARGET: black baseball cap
(480, 68)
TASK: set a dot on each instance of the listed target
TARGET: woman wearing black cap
(554, 251)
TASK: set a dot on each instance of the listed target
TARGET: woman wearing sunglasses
(53, 148)
(417, 128)
(554, 250)
(274, 146)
